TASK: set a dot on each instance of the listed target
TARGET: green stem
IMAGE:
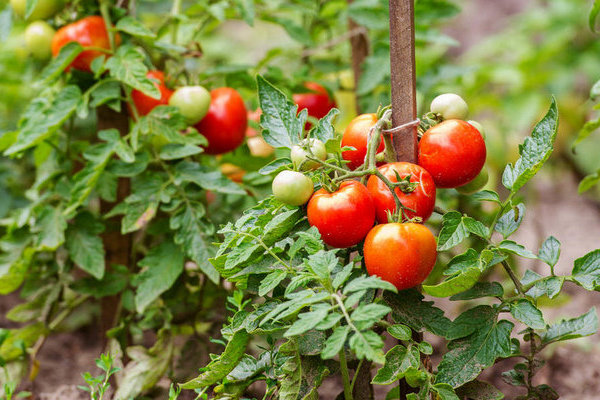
(174, 12)
(513, 277)
(345, 376)
(499, 214)
(104, 10)
(355, 375)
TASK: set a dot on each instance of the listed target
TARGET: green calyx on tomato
(293, 188)
(299, 154)
(450, 106)
(476, 184)
(38, 39)
(43, 9)
(192, 102)
(402, 254)
(418, 202)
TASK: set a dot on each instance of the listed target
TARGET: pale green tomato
(450, 106)
(293, 188)
(38, 39)
(477, 126)
(193, 102)
(298, 154)
(476, 184)
(43, 9)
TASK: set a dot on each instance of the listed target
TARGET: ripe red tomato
(89, 32)
(356, 135)
(143, 103)
(421, 200)
(453, 152)
(402, 254)
(226, 121)
(343, 217)
(318, 103)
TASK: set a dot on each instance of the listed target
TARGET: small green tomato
(298, 154)
(193, 102)
(476, 184)
(43, 9)
(450, 106)
(477, 126)
(38, 39)
(293, 188)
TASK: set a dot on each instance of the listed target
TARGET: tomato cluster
(399, 196)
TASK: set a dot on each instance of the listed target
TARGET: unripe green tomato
(38, 39)
(298, 154)
(476, 184)
(293, 188)
(192, 101)
(477, 126)
(43, 9)
(450, 106)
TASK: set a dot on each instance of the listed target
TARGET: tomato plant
(293, 188)
(356, 136)
(144, 103)
(38, 39)
(193, 102)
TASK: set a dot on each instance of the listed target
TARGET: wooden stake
(359, 45)
(403, 77)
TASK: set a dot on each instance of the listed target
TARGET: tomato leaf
(444, 391)
(397, 360)
(453, 231)
(508, 246)
(455, 284)
(164, 264)
(509, 222)
(524, 311)
(584, 325)
(335, 342)
(134, 27)
(487, 339)
(586, 271)
(478, 390)
(224, 364)
(480, 289)
(29, 7)
(58, 64)
(549, 286)
(84, 244)
(550, 251)
(534, 151)
(206, 178)
(50, 227)
(281, 126)
(408, 308)
(128, 66)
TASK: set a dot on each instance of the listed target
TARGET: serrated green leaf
(85, 246)
(586, 271)
(589, 181)
(534, 151)
(174, 151)
(397, 360)
(509, 222)
(476, 227)
(45, 118)
(455, 284)
(343, 275)
(307, 321)
(453, 231)
(128, 66)
(444, 391)
(164, 264)
(224, 364)
(366, 315)
(281, 126)
(193, 234)
(550, 251)
(368, 282)
(134, 27)
(335, 342)
(409, 308)
(487, 195)
(478, 390)
(509, 246)
(549, 286)
(65, 56)
(206, 178)
(524, 311)
(276, 165)
(367, 344)
(51, 226)
(469, 355)
(271, 281)
(480, 289)
(584, 325)
(400, 332)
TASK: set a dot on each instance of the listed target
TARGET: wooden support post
(403, 77)
(404, 96)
